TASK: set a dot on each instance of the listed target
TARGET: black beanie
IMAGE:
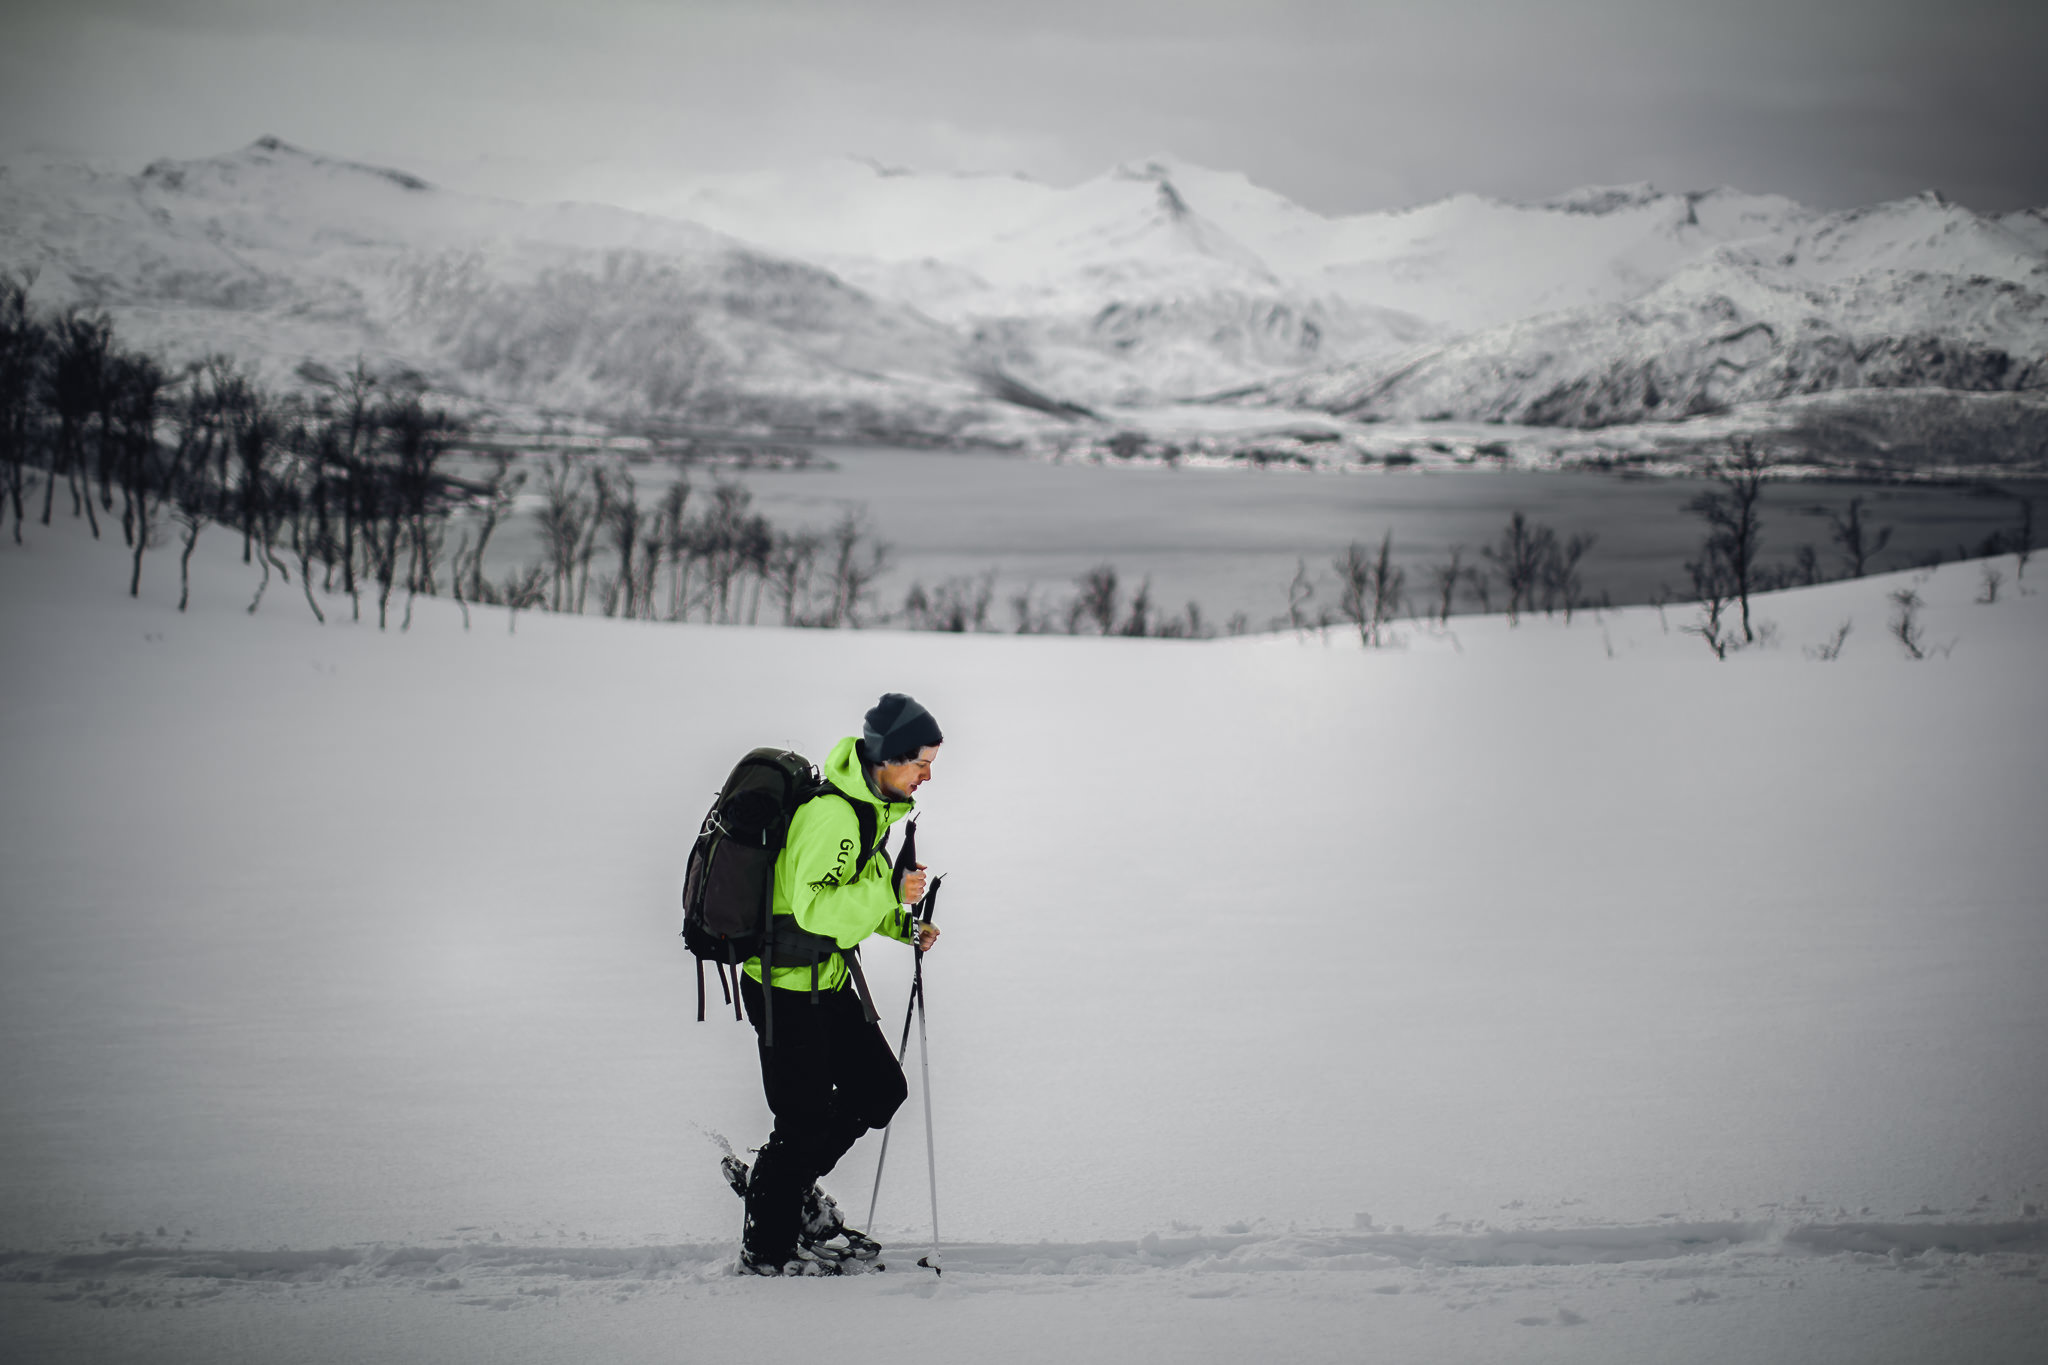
(897, 725)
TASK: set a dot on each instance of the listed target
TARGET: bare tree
(670, 538)
(789, 571)
(1031, 618)
(1806, 566)
(2023, 533)
(1856, 543)
(1733, 524)
(1445, 580)
(857, 561)
(520, 590)
(1831, 649)
(1299, 591)
(600, 516)
(255, 427)
(1905, 623)
(138, 383)
(1354, 576)
(563, 510)
(458, 576)
(757, 548)
(957, 605)
(257, 430)
(1138, 620)
(624, 520)
(1713, 588)
(195, 496)
(1480, 584)
(495, 501)
(380, 527)
(1387, 586)
(24, 342)
(1191, 625)
(416, 438)
(731, 539)
(296, 505)
(1370, 588)
(1097, 597)
(1519, 557)
(74, 385)
(1993, 578)
(356, 397)
(1559, 572)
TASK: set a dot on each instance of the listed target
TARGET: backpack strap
(788, 945)
(851, 956)
(867, 818)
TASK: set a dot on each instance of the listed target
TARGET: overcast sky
(1342, 106)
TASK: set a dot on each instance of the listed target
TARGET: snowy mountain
(1918, 294)
(277, 255)
(1603, 305)
(1117, 289)
(851, 297)
(1167, 280)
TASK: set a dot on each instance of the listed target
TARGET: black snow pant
(830, 1077)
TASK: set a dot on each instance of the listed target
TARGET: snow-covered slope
(1604, 304)
(1919, 294)
(849, 296)
(1119, 288)
(1162, 278)
(1558, 992)
(1168, 226)
(276, 255)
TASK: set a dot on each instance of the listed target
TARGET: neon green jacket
(815, 880)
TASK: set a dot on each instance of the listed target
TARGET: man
(827, 1069)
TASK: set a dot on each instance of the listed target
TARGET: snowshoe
(824, 1233)
(801, 1262)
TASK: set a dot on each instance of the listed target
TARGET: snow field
(1334, 973)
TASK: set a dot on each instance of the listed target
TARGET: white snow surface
(1536, 993)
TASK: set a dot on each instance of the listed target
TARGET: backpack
(729, 885)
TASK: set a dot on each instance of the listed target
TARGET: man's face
(900, 781)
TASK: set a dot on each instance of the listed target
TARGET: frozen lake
(1230, 539)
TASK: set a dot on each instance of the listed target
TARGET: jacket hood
(844, 770)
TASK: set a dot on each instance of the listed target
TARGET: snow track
(503, 1273)
(1816, 1293)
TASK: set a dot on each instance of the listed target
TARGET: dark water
(1231, 539)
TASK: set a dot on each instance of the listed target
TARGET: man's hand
(927, 935)
(912, 889)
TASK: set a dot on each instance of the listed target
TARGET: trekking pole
(921, 914)
(924, 1058)
(902, 1051)
(906, 861)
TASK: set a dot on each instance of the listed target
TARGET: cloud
(1345, 106)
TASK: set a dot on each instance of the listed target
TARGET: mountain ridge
(853, 298)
